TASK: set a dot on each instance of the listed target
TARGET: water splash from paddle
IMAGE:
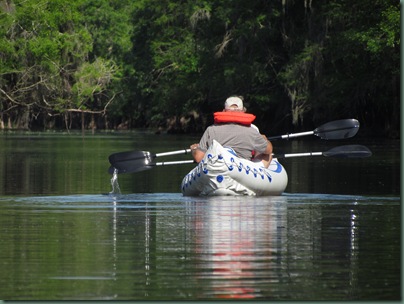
(114, 183)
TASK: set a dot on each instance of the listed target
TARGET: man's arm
(197, 153)
(266, 155)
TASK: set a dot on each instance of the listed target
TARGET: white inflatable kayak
(221, 172)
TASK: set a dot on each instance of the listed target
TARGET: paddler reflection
(237, 241)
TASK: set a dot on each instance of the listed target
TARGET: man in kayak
(233, 128)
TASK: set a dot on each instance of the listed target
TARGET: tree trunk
(82, 123)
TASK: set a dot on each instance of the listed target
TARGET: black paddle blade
(128, 156)
(349, 151)
(338, 129)
(131, 166)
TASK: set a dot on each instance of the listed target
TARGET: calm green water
(334, 235)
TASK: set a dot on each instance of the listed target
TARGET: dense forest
(168, 64)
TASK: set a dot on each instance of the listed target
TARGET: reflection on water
(167, 247)
(238, 245)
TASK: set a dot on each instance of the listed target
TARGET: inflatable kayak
(221, 172)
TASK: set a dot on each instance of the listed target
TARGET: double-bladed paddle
(347, 151)
(337, 129)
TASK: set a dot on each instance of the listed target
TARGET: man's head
(234, 103)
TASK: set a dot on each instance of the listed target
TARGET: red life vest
(242, 118)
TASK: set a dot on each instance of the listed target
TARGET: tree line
(124, 64)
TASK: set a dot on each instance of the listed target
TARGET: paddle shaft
(178, 162)
(347, 151)
(185, 151)
(293, 135)
(297, 154)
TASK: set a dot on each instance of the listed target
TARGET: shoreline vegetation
(167, 66)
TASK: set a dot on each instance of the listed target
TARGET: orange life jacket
(242, 118)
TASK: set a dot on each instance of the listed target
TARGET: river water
(335, 234)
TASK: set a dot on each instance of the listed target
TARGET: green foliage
(46, 47)
(381, 35)
(92, 79)
(143, 62)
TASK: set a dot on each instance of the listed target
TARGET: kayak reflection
(236, 243)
